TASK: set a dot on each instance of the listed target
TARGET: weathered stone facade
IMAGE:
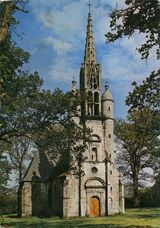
(100, 191)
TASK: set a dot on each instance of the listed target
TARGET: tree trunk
(6, 20)
(79, 184)
(19, 199)
(135, 193)
(19, 193)
(79, 203)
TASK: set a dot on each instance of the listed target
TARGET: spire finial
(74, 84)
(106, 85)
(90, 54)
(89, 4)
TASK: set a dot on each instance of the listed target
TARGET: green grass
(132, 218)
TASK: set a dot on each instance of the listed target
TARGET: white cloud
(63, 71)
(64, 22)
(124, 64)
(60, 46)
(69, 19)
(123, 61)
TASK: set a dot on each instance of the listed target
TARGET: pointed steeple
(90, 75)
(90, 54)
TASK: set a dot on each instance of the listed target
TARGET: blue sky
(54, 33)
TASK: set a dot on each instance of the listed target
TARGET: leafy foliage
(138, 134)
(7, 20)
(138, 144)
(142, 16)
(27, 110)
(150, 197)
(147, 94)
(20, 152)
(139, 15)
(4, 170)
(65, 141)
(8, 201)
(25, 107)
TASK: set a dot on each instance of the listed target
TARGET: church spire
(89, 4)
(90, 75)
(90, 54)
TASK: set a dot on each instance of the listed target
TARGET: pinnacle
(90, 55)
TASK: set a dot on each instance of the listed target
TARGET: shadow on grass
(148, 216)
(141, 213)
(12, 216)
(67, 225)
(145, 216)
(103, 222)
(145, 210)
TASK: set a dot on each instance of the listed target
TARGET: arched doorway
(94, 206)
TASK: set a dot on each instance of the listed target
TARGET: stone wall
(57, 196)
(26, 200)
(34, 199)
(71, 196)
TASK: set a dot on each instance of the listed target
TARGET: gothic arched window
(96, 109)
(96, 97)
(90, 97)
(90, 109)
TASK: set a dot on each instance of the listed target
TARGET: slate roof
(39, 168)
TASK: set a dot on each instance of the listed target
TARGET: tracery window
(93, 82)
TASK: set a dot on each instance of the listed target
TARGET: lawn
(132, 218)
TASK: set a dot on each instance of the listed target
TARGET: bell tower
(90, 75)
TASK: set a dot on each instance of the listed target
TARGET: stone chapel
(46, 191)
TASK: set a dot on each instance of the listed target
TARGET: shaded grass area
(132, 218)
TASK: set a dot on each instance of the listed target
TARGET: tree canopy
(7, 9)
(147, 94)
(138, 145)
(26, 109)
(137, 135)
(142, 16)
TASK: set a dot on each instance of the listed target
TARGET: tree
(8, 202)
(4, 170)
(7, 8)
(16, 89)
(147, 94)
(138, 144)
(25, 106)
(66, 143)
(4, 177)
(26, 109)
(140, 16)
(20, 152)
(29, 111)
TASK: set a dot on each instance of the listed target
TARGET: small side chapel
(102, 193)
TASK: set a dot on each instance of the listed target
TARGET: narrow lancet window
(94, 154)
